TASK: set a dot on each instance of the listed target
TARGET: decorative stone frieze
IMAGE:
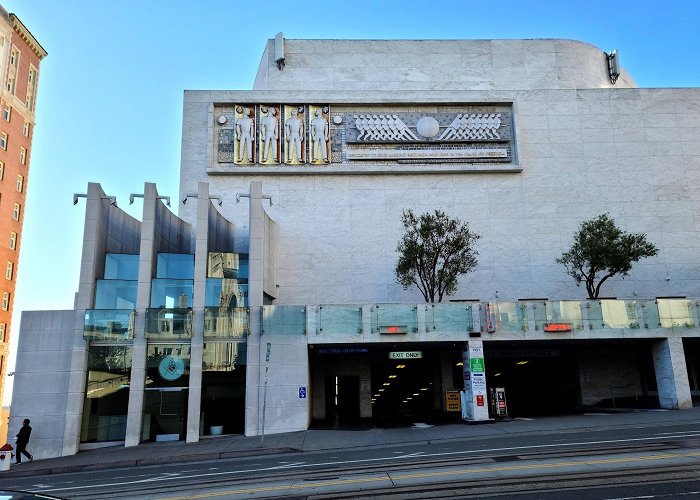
(308, 135)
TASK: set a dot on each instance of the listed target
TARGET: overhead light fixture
(380, 390)
(400, 366)
(416, 394)
(497, 374)
(386, 383)
(461, 363)
(522, 362)
(392, 376)
(423, 388)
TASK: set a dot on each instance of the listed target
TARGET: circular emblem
(171, 367)
(428, 127)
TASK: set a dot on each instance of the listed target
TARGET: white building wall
(41, 379)
(435, 64)
(628, 152)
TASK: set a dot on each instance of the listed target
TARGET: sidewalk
(315, 440)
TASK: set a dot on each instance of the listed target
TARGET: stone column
(671, 374)
(256, 360)
(134, 421)
(201, 254)
(476, 400)
(96, 222)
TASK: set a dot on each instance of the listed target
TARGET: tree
(602, 249)
(434, 251)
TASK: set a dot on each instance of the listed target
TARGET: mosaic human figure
(244, 131)
(294, 132)
(270, 133)
(319, 136)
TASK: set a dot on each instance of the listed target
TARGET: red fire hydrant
(6, 457)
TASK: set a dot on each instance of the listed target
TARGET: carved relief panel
(364, 137)
(269, 135)
(319, 135)
(244, 145)
(294, 134)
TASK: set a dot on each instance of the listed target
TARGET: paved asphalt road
(620, 455)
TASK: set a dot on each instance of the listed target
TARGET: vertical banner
(474, 371)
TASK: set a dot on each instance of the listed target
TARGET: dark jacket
(23, 436)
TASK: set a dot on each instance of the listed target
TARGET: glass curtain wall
(165, 399)
(109, 329)
(225, 348)
(223, 388)
(107, 393)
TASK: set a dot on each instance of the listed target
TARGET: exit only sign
(406, 355)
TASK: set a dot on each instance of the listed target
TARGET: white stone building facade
(306, 176)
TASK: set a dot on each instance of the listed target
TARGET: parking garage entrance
(383, 383)
(537, 380)
(386, 383)
(557, 377)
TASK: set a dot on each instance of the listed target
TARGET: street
(645, 460)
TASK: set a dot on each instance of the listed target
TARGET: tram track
(308, 475)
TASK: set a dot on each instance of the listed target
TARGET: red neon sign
(557, 327)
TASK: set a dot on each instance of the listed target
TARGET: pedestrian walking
(22, 441)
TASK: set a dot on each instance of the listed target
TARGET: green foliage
(601, 250)
(434, 251)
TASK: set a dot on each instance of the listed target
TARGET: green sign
(477, 365)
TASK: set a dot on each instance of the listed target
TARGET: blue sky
(109, 107)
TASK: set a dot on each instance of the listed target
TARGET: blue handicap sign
(302, 392)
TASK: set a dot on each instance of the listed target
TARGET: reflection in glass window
(223, 387)
(225, 293)
(171, 293)
(120, 266)
(115, 294)
(228, 265)
(107, 394)
(175, 266)
(168, 365)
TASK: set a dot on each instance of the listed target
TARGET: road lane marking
(423, 475)
(486, 451)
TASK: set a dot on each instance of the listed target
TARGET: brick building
(20, 58)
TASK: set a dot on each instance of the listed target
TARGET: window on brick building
(7, 112)
(3, 141)
(9, 270)
(31, 88)
(16, 211)
(13, 240)
(3, 327)
(20, 182)
(2, 170)
(23, 155)
(5, 301)
(25, 129)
